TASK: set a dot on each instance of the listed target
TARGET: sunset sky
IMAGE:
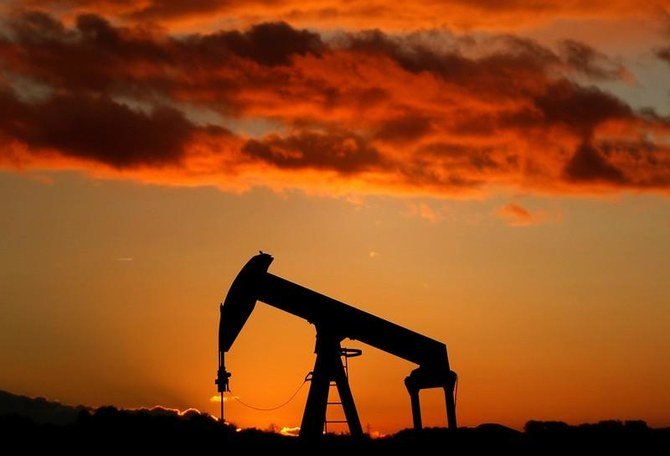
(495, 175)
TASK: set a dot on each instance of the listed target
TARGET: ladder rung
(333, 403)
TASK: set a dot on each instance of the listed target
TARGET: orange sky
(493, 176)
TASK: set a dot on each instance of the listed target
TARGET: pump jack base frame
(328, 368)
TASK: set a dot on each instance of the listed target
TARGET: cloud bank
(347, 112)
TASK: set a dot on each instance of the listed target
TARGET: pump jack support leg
(451, 405)
(416, 408)
(314, 416)
(347, 399)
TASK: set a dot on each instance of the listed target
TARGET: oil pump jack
(334, 322)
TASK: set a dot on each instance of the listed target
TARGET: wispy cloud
(424, 211)
(514, 214)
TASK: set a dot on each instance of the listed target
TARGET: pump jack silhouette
(334, 322)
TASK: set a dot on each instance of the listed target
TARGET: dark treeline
(108, 429)
(38, 424)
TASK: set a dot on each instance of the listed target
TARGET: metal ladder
(345, 353)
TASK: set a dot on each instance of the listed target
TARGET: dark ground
(37, 424)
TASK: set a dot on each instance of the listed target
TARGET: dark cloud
(579, 108)
(268, 44)
(587, 164)
(466, 157)
(664, 54)
(405, 128)
(97, 128)
(509, 64)
(93, 55)
(35, 27)
(99, 32)
(344, 153)
(507, 67)
(590, 62)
